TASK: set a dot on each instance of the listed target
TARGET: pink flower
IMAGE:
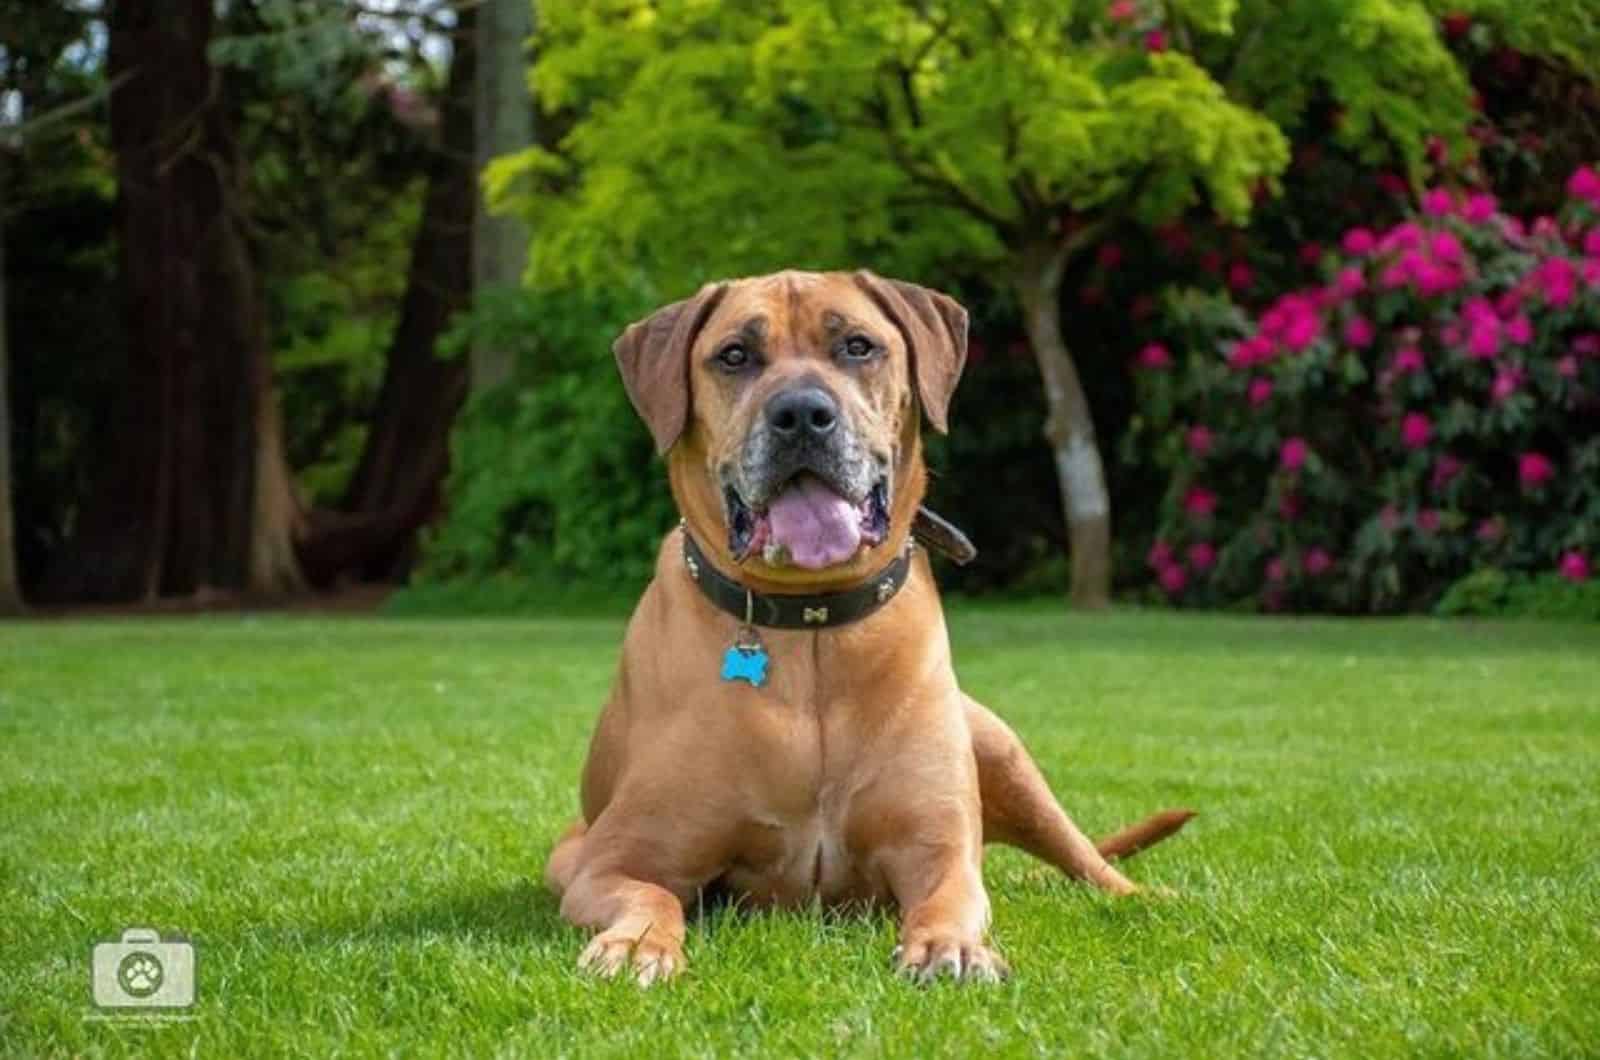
(1591, 242)
(1519, 329)
(1211, 262)
(1277, 570)
(1350, 282)
(1491, 530)
(1302, 329)
(1109, 256)
(1567, 367)
(1480, 206)
(1483, 341)
(1173, 578)
(1199, 502)
(1506, 382)
(1445, 469)
(1249, 352)
(1587, 344)
(1446, 248)
(1155, 41)
(1415, 430)
(1428, 521)
(1289, 507)
(1202, 555)
(1260, 392)
(1407, 235)
(1408, 361)
(1438, 202)
(1574, 566)
(1556, 279)
(1122, 11)
(1534, 469)
(1318, 561)
(1389, 518)
(1585, 184)
(1358, 332)
(1310, 254)
(1159, 556)
(1293, 454)
(1359, 241)
(1240, 276)
(1478, 310)
(1591, 271)
(1154, 357)
(1199, 439)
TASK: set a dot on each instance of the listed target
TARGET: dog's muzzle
(805, 489)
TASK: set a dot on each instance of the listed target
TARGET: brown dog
(838, 760)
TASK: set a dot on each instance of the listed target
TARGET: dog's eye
(859, 348)
(733, 357)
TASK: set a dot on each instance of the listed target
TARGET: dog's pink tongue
(817, 526)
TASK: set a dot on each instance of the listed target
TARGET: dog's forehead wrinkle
(753, 330)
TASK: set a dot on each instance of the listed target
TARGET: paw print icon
(141, 970)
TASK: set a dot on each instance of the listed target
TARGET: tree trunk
(504, 126)
(1069, 428)
(198, 495)
(11, 602)
(398, 479)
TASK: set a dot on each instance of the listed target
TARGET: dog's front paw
(652, 956)
(930, 954)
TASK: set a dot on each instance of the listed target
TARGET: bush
(1430, 409)
(553, 481)
(1492, 593)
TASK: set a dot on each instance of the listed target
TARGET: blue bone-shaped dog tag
(744, 663)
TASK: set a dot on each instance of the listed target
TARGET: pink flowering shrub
(1431, 408)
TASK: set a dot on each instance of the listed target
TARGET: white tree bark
(1069, 428)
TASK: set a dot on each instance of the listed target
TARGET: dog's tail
(1147, 833)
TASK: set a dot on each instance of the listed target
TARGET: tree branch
(16, 136)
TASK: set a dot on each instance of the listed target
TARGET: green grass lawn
(1396, 853)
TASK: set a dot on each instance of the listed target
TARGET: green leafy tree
(932, 140)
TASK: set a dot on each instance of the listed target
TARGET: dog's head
(788, 406)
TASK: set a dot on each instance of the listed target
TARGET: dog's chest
(794, 845)
(796, 860)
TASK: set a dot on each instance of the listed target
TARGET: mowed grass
(1396, 853)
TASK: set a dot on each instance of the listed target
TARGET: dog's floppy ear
(935, 330)
(653, 356)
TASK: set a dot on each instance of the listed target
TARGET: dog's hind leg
(564, 859)
(1019, 810)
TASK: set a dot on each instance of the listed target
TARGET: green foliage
(714, 138)
(553, 482)
(1562, 29)
(1495, 593)
(1380, 62)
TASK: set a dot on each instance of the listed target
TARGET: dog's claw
(927, 961)
(652, 957)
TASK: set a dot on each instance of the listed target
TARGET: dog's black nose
(802, 412)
